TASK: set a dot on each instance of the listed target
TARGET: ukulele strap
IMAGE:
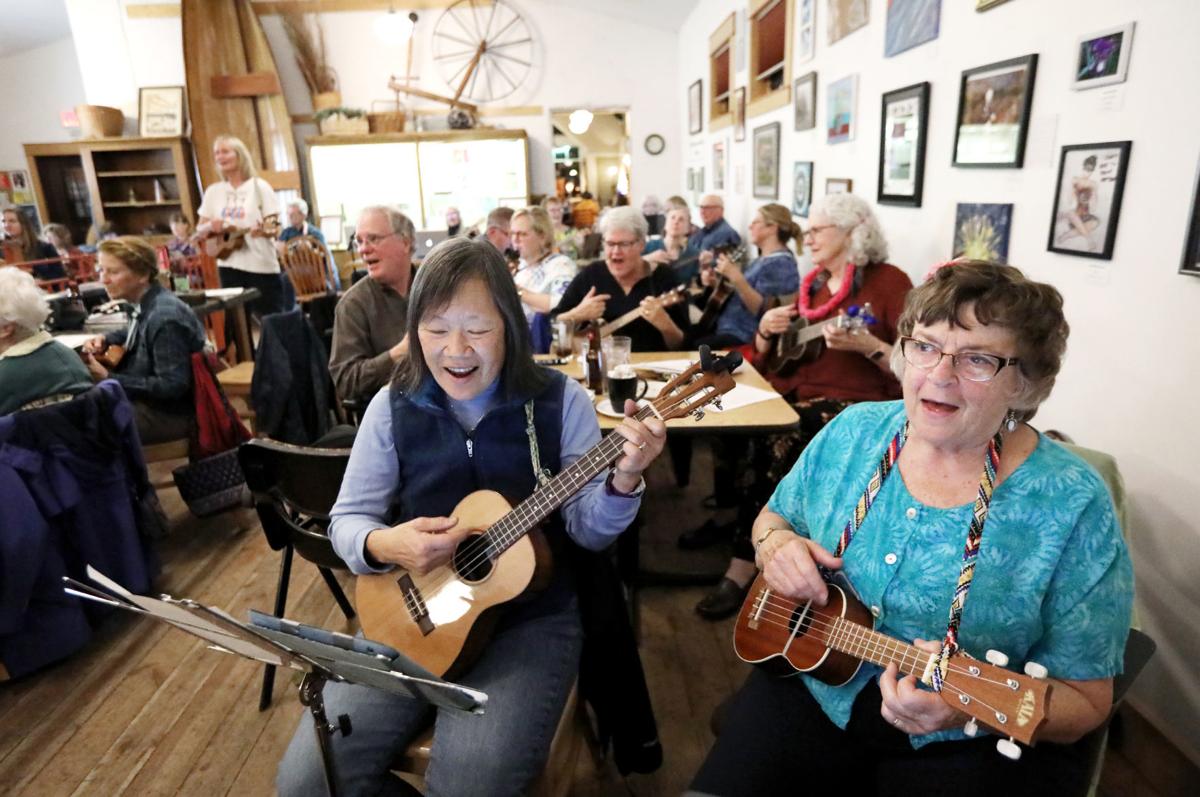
(535, 456)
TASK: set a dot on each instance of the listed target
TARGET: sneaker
(706, 535)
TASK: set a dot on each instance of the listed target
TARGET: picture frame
(910, 23)
(992, 124)
(841, 99)
(984, 5)
(838, 185)
(766, 161)
(162, 111)
(904, 126)
(806, 28)
(982, 231)
(739, 114)
(694, 100)
(1190, 263)
(718, 165)
(691, 179)
(802, 178)
(1102, 58)
(845, 17)
(804, 98)
(20, 187)
(1087, 199)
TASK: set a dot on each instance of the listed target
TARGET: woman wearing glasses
(1043, 576)
(624, 281)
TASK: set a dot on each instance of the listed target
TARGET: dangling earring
(1010, 421)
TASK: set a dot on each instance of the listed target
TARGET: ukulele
(666, 299)
(221, 245)
(831, 642)
(441, 619)
(722, 289)
(802, 341)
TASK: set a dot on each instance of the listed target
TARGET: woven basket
(338, 125)
(100, 121)
(386, 122)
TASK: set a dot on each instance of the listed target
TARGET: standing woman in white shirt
(243, 199)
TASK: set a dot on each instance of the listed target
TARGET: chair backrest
(294, 489)
(307, 266)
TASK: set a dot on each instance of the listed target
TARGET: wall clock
(655, 144)
(483, 51)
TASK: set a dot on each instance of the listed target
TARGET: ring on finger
(897, 722)
(642, 446)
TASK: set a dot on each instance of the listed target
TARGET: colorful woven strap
(886, 462)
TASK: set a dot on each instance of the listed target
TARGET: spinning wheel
(483, 49)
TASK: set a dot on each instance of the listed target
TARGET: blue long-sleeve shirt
(594, 516)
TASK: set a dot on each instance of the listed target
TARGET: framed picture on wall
(718, 172)
(161, 111)
(20, 187)
(840, 99)
(838, 185)
(766, 161)
(993, 113)
(981, 232)
(739, 114)
(802, 188)
(1102, 58)
(910, 23)
(846, 16)
(806, 101)
(1191, 247)
(905, 119)
(695, 121)
(806, 24)
(1087, 199)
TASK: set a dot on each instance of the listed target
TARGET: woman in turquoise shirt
(1049, 579)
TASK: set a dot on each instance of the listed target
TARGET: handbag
(212, 484)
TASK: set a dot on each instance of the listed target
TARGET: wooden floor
(147, 710)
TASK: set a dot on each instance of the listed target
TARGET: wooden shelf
(139, 173)
(163, 204)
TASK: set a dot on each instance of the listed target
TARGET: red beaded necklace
(806, 289)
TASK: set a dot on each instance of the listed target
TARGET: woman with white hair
(623, 281)
(33, 366)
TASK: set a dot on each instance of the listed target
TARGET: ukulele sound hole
(472, 559)
(802, 617)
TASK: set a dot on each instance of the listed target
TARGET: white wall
(31, 113)
(1131, 371)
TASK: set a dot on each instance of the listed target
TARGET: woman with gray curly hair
(33, 366)
(993, 538)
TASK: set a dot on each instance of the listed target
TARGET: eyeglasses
(621, 244)
(818, 228)
(371, 239)
(712, 207)
(970, 365)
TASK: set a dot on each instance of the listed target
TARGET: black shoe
(705, 535)
(723, 601)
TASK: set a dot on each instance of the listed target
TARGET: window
(720, 73)
(770, 23)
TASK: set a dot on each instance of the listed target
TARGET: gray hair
(299, 202)
(626, 218)
(401, 225)
(853, 214)
(21, 301)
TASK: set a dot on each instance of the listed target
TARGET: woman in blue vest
(455, 419)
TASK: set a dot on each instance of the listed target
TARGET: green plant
(349, 113)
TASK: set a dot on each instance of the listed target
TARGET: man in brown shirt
(370, 322)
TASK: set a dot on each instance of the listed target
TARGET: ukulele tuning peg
(1035, 670)
(971, 728)
(1008, 748)
(698, 414)
(997, 658)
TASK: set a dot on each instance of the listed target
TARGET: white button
(911, 512)
(890, 559)
(876, 611)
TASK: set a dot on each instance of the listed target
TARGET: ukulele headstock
(1010, 704)
(700, 385)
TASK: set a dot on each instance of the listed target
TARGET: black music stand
(320, 654)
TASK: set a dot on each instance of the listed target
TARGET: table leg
(241, 331)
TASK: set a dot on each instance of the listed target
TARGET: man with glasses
(715, 230)
(369, 324)
(499, 229)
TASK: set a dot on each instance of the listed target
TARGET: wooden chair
(236, 381)
(294, 488)
(306, 264)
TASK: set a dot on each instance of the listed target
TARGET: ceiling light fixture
(579, 121)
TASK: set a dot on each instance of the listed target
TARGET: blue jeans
(527, 671)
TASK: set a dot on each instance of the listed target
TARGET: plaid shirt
(159, 343)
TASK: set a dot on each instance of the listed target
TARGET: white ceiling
(665, 14)
(31, 23)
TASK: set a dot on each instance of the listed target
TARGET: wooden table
(234, 301)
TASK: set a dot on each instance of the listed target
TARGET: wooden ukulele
(722, 289)
(221, 245)
(111, 357)
(442, 619)
(666, 299)
(831, 642)
(803, 341)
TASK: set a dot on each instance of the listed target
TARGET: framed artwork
(695, 121)
(984, 5)
(838, 185)
(806, 24)
(719, 166)
(909, 23)
(1191, 247)
(766, 161)
(805, 98)
(700, 180)
(20, 187)
(161, 111)
(845, 17)
(691, 179)
(840, 99)
(802, 188)
(5, 190)
(1087, 200)
(981, 232)
(993, 113)
(905, 120)
(1102, 58)
(739, 114)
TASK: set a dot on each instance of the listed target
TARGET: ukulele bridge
(415, 604)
